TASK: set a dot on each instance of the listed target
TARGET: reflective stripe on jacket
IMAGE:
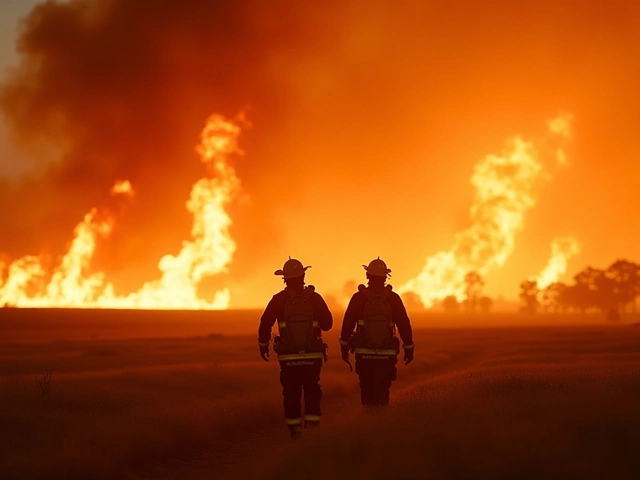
(299, 356)
(371, 351)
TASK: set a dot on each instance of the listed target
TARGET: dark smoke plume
(361, 111)
(122, 89)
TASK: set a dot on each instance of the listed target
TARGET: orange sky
(367, 119)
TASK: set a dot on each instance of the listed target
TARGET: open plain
(184, 395)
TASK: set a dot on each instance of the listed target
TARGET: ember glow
(505, 189)
(210, 250)
(123, 187)
(561, 126)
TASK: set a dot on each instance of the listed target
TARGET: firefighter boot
(312, 424)
(295, 431)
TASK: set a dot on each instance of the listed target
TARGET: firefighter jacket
(275, 312)
(355, 313)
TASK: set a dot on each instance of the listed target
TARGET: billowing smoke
(208, 253)
(120, 89)
(346, 100)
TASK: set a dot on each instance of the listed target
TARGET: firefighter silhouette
(302, 315)
(376, 312)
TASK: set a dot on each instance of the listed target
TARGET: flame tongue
(70, 284)
(562, 249)
(504, 192)
(20, 276)
(211, 249)
(209, 252)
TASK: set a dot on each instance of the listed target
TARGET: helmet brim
(377, 274)
(297, 274)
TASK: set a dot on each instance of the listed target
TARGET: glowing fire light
(561, 126)
(505, 191)
(209, 252)
(212, 248)
(562, 249)
(70, 283)
(123, 187)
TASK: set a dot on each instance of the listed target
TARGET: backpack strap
(371, 295)
(306, 292)
(289, 352)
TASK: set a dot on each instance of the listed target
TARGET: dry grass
(121, 404)
(477, 403)
(527, 407)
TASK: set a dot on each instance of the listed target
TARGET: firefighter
(376, 312)
(302, 315)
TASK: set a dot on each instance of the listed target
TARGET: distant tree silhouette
(529, 296)
(626, 277)
(552, 297)
(595, 289)
(485, 303)
(473, 287)
(568, 299)
(610, 291)
(613, 315)
(450, 304)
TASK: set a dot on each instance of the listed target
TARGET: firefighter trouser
(298, 377)
(375, 372)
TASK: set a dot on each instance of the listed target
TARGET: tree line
(612, 290)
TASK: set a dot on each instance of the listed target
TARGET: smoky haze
(359, 111)
(122, 92)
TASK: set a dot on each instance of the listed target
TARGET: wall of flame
(369, 120)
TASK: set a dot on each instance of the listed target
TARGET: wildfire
(23, 283)
(505, 191)
(70, 284)
(211, 249)
(562, 249)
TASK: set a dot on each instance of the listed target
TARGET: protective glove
(408, 355)
(344, 353)
(264, 352)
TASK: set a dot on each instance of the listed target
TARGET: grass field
(184, 395)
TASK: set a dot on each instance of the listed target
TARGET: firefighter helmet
(292, 268)
(377, 267)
